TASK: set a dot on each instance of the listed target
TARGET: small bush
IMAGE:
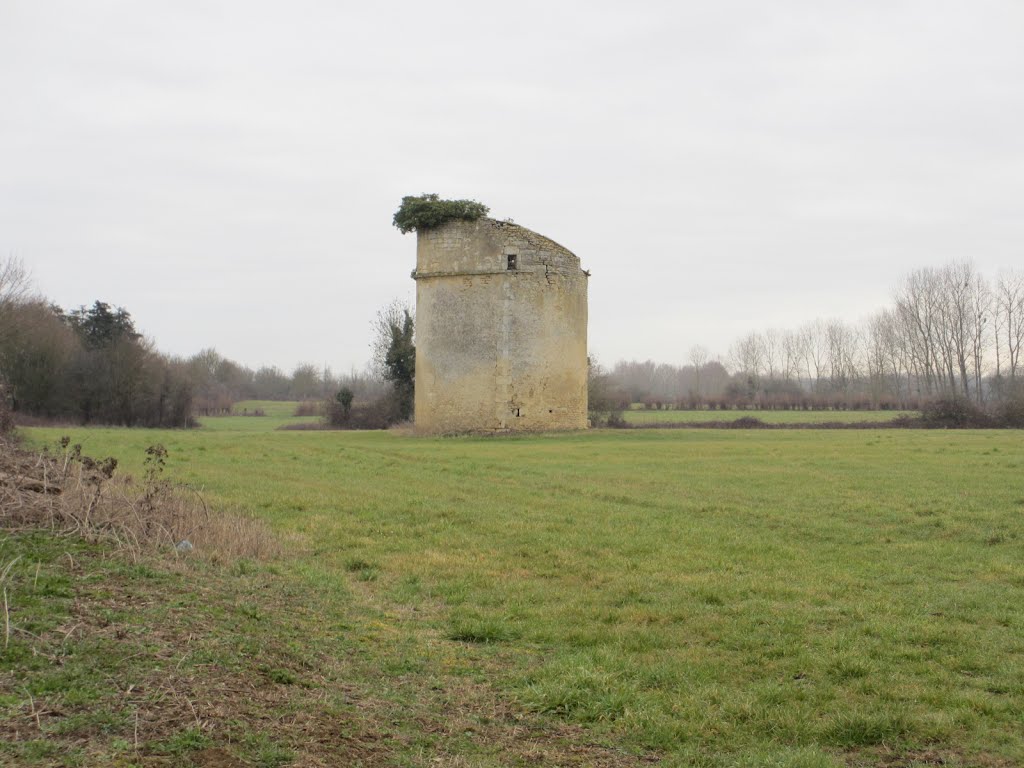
(1010, 412)
(953, 412)
(376, 414)
(617, 421)
(611, 420)
(427, 211)
(308, 408)
(345, 397)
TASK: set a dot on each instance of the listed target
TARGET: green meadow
(271, 408)
(682, 597)
(275, 414)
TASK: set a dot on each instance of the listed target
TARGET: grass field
(712, 598)
(643, 416)
(276, 414)
(271, 408)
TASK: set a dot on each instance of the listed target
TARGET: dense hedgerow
(955, 412)
(959, 412)
(1010, 411)
(427, 211)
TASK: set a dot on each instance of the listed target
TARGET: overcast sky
(227, 171)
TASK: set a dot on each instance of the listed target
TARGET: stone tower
(501, 330)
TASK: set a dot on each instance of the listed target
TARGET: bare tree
(698, 359)
(394, 356)
(306, 382)
(842, 354)
(15, 290)
(15, 282)
(814, 346)
(35, 351)
(980, 315)
(917, 304)
(955, 308)
(894, 345)
(15, 294)
(771, 346)
(388, 317)
(1009, 308)
(748, 356)
(635, 377)
(791, 354)
(878, 355)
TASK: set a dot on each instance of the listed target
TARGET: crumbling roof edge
(510, 223)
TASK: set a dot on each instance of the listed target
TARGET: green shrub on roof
(426, 211)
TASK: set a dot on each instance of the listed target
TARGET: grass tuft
(866, 729)
(844, 670)
(482, 630)
(363, 570)
(188, 740)
(578, 689)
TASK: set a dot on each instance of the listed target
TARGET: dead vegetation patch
(66, 491)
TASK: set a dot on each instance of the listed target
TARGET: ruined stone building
(501, 330)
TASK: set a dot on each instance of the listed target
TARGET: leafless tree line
(218, 383)
(949, 331)
(660, 384)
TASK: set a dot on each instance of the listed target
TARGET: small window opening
(512, 259)
(515, 412)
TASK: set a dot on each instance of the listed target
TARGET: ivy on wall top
(426, 211)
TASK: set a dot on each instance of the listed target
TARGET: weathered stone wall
(498, 349)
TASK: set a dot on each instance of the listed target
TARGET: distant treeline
(90, 365)
(87, 366)
(218, 383)
(950, 332)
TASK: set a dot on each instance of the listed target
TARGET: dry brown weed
(69, 492)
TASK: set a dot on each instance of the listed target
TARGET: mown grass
(643, 416)
(718, 598)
